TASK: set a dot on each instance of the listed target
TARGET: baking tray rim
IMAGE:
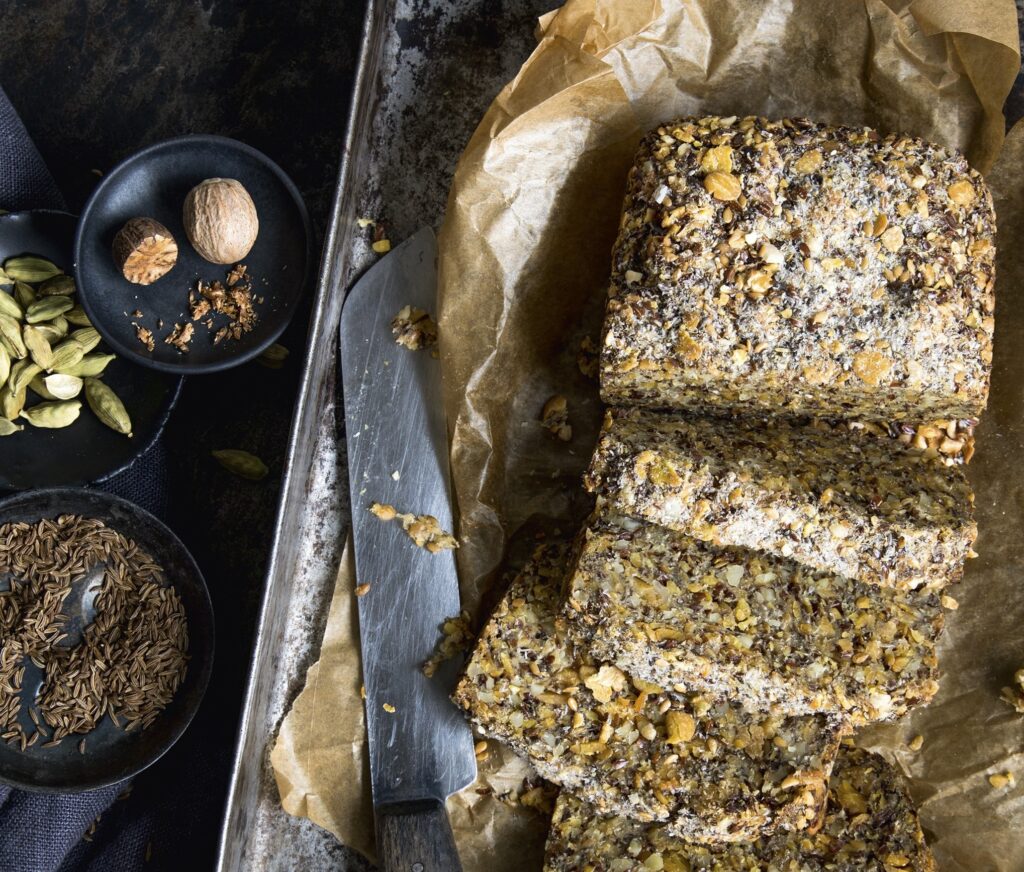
(318, 370)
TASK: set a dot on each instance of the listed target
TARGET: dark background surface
(95, 80)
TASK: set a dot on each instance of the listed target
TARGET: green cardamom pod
(58, 286)
(50, 333)
(87, 337)
(78, 317)
(31, 269)
(24, 294)
(4, 278)
(89, 366)
(10, 329)
(22, 373)
(5, 365)
(57, 386)
(274, 357)
(11, 402)
(68, 354)
(107, 406)
(7, 428)
(241, 463)
(38, 346)
(47, 308)
(53, 416)
(10, 306)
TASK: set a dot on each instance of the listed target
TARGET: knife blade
(420, 746)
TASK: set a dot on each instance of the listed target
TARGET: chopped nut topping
(916, 743)
(424, 530)
(384, 511)
(555, 417)
(587, 357)
(414, 328)
(1002, 780)
(457, 636)
(362, 589)
(390, 709)
(606, 682)
(1015, 695)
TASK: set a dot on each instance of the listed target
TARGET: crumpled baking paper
(532, 214)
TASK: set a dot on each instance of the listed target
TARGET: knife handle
(416, 837)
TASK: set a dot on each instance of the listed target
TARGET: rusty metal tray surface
(427, 72)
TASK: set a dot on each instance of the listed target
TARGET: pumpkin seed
(57, 386)
(78, 317)
(107, 406)
(11, 402)
(87, 337)
(47, 308)
(58, 286)
(30, 268)
(241, 463)
(10, 306)
(24, 294)
(10, 329)
(38, 347)
(53, 416)
(68, 353)
(90, 365)
(7, 428)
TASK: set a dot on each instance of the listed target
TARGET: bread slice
(793, 267)
(870, 823)
(706, 768)
(822, 497)
(777, 635)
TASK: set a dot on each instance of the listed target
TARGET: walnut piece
(414, 328)
(1015, 695)
(555, 417)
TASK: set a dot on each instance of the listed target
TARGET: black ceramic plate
(153, 183)
(87, 451)
(111, 754)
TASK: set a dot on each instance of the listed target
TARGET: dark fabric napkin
(54, 832)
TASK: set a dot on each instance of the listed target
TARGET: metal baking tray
(427, 71)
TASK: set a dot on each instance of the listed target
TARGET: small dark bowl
(153, 183)
(87, 451)
(112, 755)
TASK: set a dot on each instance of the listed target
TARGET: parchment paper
(524, 261)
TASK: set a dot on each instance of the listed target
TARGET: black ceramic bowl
(87, 451)
(153, 183)
(111, 754)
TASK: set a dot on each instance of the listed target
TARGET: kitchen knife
(421, 748)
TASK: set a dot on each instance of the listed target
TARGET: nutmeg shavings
(414, 328)
(234, 300)
(180, 337)
(145, 336)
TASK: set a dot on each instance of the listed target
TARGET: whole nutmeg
(220, 220)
